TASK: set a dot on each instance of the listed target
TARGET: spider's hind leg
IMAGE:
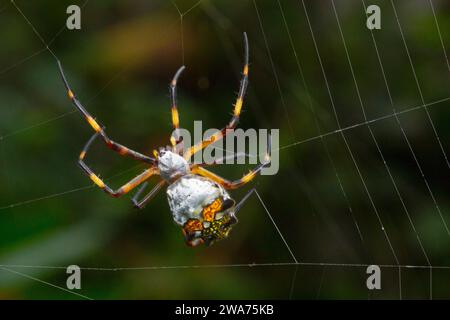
(243, 201)
(139, 204)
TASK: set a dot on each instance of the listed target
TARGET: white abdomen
(190, 194)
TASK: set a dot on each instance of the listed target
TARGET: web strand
(377, 144)
(89, 101)
(301, 181)
(276, 227)
(388, 90)
(322, 276)
(294, 279)
(439, 33)
(55, 195)
(364, 123)
(43, 282)
(236, 265)
(409, 146)
(345, 139)
(418, 85)
(275, 74)
(317, 125)
(182, 15)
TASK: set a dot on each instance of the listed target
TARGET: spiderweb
(363, 160)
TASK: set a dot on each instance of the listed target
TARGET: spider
(198, 198)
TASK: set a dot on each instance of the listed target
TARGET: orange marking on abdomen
(209, 212)
(193, 225)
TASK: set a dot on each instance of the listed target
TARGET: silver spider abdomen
(190, 194)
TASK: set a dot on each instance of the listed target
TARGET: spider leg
(227, 184)
(242, 89)
(139, 204)
(117, 147)
(175, 139)
(225, 159)
(243, 200)
(127, 187)
(236, 112)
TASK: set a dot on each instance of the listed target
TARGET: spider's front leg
(117, 147)
(175, 138)
(236, 112)
(127, 187)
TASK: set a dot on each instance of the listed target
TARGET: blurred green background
(328, 210)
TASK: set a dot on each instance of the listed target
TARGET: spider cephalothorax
(171, 165)
(198, 198)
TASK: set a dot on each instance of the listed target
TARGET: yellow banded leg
(227, 184)
(127, 187)
(175, 116)
(236, 111)
(102, 185)
(122, 150)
